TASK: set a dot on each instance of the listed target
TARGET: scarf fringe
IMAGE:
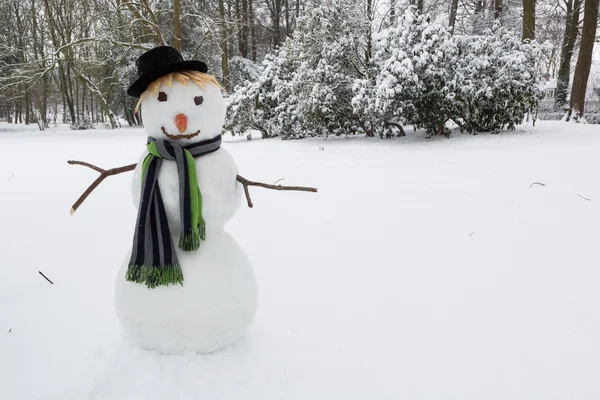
(154, 276)
(202, 229)
(191, 241)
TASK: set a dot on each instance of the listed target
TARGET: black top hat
(158, 62)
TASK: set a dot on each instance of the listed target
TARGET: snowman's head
(184, 107)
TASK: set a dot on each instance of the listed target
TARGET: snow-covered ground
(423, 269)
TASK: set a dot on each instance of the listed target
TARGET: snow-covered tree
(252, 105)
(242, 70)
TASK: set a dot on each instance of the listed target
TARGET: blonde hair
(182, 77)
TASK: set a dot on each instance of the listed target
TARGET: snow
(423, 269)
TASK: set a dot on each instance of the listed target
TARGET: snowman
(186, 283)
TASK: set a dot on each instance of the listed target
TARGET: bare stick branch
(103, 175)
(397, 125)
(247, 193)
(98, 169)
(585, 198)
(11, 177)
(45, 277)
(246, 183)
(537, 183)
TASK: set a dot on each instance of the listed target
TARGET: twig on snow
(537, 183)
(246, 183)
(585, 198)
(11, 177)
(471, 234)
(46, 277)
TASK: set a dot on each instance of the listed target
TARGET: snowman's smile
(175, 137)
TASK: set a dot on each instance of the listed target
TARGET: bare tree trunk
(528, 20)
(453, 9)
(497, 9)
(77, 108)
(566, 53)
(584, 60)
(368, 50)
(224, 47)
(276, 19)
(288, 28)
(84, 105)
(252, 30)
(238, 24)
(92, 107)
(19, 111)
(479, 6)
(177, 34)
(392, 12)
(420, 6)
(245, 23)
(64, 109)
(27, 107)
(67, 99)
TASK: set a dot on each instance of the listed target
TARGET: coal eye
(162, 96)
(198, 100)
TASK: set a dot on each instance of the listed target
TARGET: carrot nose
(181, 122)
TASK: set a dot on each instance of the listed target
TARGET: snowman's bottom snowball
(213, 309)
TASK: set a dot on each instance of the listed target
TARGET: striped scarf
(153, 258)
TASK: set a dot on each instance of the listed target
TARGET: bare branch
(45, 277)
(103, 175)
(585, 198)
(246, 183)
(537, 183)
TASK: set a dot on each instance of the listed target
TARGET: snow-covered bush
(82, 124)
(320, 82)
(252, 104)
(242, 70)
(305, 89)
(423, 76)
(496, 83)
(411, 76)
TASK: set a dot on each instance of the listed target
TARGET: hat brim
(139, 86)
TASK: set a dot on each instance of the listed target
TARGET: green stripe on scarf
(187, 242)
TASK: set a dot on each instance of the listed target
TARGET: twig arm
(246, 183)
(85, 164)
(104, 173)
